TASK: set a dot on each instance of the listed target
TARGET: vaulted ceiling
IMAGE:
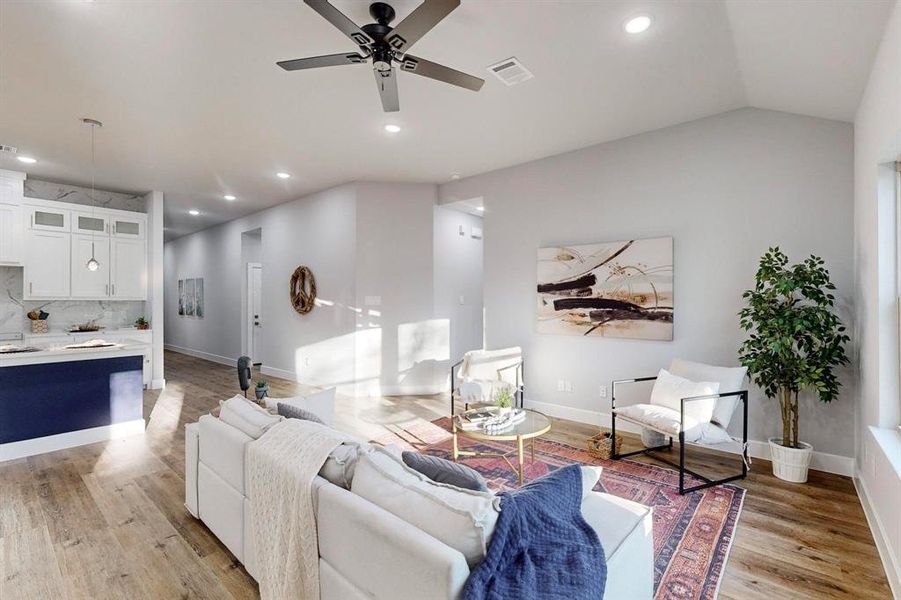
(193, 104)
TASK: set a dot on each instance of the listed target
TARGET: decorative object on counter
(181, 297)
(601, 446)
(93, 264)
(303, 290)
(615, 289)
(89, 327)
(261, 390)
(98, 343)
(39, 321)
(796, 342)
(503, 400)
(189, 297)
(142, 323)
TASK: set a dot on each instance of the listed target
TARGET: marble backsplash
(63, 313)
(45, 190)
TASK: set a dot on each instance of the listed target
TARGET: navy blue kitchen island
(57, 399)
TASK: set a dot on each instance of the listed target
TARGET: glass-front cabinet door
(48, 219)
(128, 227)
(92, 223)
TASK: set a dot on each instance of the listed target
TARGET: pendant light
(93, 264)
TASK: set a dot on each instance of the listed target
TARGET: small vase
(503, 411)
(790, 464)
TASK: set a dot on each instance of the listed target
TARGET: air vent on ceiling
(510, 71)
(8, 149)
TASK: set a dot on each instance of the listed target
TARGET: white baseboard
(158, 384)
(61, 441)
(891, 567)
(410, 390)
(820, 461)
(280, 373)
(222, 360)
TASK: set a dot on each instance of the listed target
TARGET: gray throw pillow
(290, 411)
(445, 471)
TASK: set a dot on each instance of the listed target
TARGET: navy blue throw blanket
(542, 547)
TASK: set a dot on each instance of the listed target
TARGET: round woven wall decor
(303, 290)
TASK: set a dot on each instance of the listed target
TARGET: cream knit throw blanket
(281, 466)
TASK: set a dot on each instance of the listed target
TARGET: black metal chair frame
(520, 386)
(743, 394)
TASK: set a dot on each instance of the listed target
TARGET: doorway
(254, 311)
(252, 314)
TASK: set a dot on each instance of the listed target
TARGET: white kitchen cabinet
(47, 265)
(128, 275)
(43, 218)
(85, 283)
(11, 234)
(96, 224)
(128, 227)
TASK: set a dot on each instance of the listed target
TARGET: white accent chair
(480, 373)
(709, 430)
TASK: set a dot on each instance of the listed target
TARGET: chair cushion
(247, 416)
(662, 419)
(444, 471)
(731, 379)
(669, 390)
(462, 519)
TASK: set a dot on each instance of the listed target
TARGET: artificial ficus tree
(796, 341)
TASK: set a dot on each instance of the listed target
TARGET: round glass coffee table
(534, 425)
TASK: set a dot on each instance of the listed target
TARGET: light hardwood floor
(108, 521)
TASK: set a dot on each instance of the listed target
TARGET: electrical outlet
(462, 300)
(569, 386)
(603, 391)
(561, 385)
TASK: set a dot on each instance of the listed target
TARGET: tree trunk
(786, 417)
(796, 409)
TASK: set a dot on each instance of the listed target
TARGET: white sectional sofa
(366, 551)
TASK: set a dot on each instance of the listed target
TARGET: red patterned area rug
(692, 533)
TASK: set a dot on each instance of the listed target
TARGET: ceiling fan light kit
(387, 47)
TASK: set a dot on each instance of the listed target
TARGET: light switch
(372, 300)
(462, 300)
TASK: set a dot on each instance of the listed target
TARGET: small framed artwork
(189, 297)
(198, 298)
(181, 297)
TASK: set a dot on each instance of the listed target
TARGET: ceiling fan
(387, 45)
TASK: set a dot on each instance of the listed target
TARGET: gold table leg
(519, 454)
(456, 450)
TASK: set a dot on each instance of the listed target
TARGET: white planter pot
(504, 410)
(790, 464)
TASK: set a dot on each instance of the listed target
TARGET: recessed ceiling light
(229, 197)
(480, 208)
(391, 128)
(27, 160)
(193, 212)
(455, 176)
(637, 24)
(282, 175)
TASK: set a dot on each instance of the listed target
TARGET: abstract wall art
(189, 297)
(613, 289)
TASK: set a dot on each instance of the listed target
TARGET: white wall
(877, 143)
(458, 273)
(725, 188)
(399, 342)
(317, 231)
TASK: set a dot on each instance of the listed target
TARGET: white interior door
(254, 311)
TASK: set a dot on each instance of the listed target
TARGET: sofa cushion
(321, 404)
(731, 379)
(340, 465)
(669, 390)
(462, 519)
(444, 471)
(613, 519)
(291, 411)
(249, 417)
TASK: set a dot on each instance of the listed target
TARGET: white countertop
(58, 353)
(112, 331)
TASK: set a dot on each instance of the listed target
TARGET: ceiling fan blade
(419, 22)
(386, 81)
(329, 60)
(426, 68)
(340, 20)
